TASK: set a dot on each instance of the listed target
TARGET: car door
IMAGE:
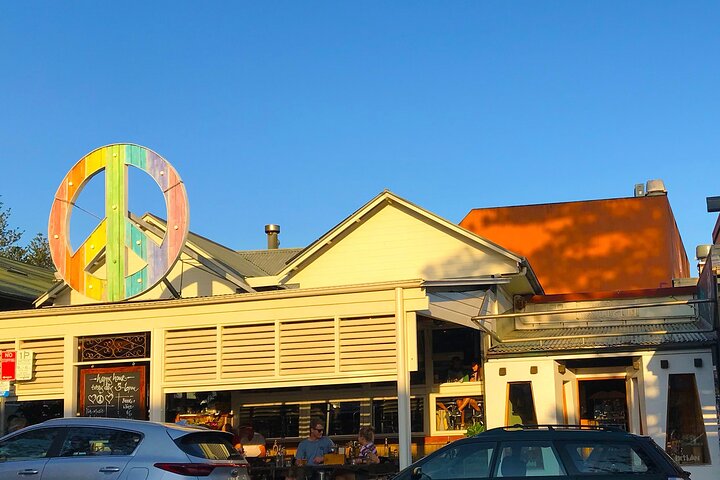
(92, 453)
(26, 454)
(468, 460)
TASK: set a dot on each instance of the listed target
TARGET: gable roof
(20, 281)
(596, 245)
(385, 198)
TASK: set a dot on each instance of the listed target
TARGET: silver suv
(116, 449)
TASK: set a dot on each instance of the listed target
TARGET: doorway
(603, 402)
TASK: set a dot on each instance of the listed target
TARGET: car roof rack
(517, 426)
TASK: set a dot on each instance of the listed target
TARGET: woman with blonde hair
(368, 450)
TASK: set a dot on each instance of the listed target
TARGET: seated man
(253, 443)
(312, 450)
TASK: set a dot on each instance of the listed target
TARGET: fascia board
(269, 281)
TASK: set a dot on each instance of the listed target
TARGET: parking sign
(7, 365)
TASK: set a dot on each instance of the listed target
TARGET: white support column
(403, 382)
(70, 377)
(157, 365)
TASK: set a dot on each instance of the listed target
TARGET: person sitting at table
(313, 449)
(462, 403)
(368, 454)
(368, 450)
(456, 372)
(253, 443)
(235, 439)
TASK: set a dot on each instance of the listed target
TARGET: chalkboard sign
(115, 392)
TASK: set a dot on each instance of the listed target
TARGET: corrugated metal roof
(638, 335)
(227, 257)
(220, 253)
(22, 281)
(271, 261)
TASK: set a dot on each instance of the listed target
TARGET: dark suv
(565, 452)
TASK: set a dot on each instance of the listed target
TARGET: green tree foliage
(37, 252)
(8, 236)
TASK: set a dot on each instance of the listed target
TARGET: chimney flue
(655, 188)
(272, 232)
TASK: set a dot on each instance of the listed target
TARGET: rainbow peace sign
(116, 235)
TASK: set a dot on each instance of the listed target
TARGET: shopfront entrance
(603, 402)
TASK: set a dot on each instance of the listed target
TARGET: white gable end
(394, 243)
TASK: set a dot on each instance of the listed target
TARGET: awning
(459, 306)
(634, 336)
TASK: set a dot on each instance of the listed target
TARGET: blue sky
(297, 113)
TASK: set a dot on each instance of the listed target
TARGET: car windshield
(208, 444)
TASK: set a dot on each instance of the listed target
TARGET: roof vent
(655, 188)
(702, 252)
(272, 232)
(639, 190)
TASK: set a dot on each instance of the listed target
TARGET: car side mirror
(416, 473)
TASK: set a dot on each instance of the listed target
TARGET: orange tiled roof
(590, 246)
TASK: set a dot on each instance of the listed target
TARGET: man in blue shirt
(313, 448)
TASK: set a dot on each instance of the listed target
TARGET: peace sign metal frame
(116, 234)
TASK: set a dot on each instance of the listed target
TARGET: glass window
(686, 441)
(520, 404)
(458, 413)
(532, 459)
(99, 441)
(25, 413)
(468, 460)
(179, 404)
(601, 457)
(28, 446)
(342, 418)
(418, 377)
(603, 402)
(385, 415)
(272, 421)
(461, 344)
